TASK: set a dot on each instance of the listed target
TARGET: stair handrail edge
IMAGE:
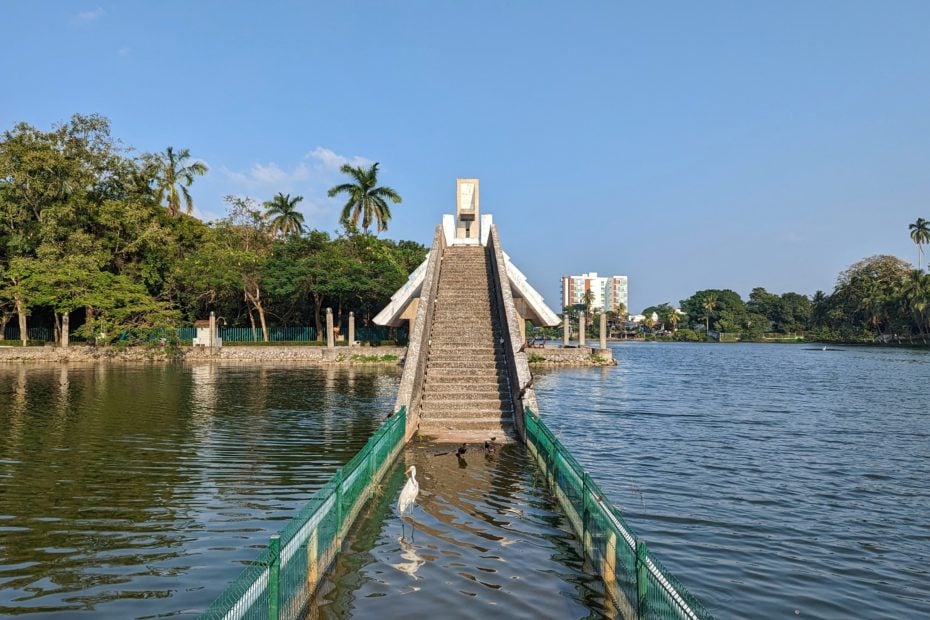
(521, 390)
(410, 391)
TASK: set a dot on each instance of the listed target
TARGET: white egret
(407, 496)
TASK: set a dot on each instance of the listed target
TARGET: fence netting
(280, 583)
(634, 580)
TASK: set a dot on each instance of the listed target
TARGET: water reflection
(488, 542)
(132, 490)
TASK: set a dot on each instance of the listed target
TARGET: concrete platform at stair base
(556, 355)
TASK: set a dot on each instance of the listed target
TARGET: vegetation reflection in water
(488, 541)
(129, 491)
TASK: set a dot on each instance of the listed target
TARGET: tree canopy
(85, 241)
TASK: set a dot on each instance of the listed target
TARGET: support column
(603, 330)
(566, 329)
(330, 339)
(212, 329)
(581, 329)
(65, 320)
(351, 328)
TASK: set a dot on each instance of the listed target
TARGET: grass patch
(535, 358)
(374, 358)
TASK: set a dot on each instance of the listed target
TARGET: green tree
(587, 299)
(173, 175)
(920, 235)
(366, 200)
(283, 217)
(708, 305)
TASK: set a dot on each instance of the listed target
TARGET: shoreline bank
(319, 355)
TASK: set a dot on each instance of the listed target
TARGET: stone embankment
(321, 355)
(554, 355)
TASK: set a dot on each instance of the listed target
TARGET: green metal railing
(280, 583)
(634, 579)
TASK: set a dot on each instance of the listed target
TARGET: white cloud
(334, 161)
(124, 51)
(310, 177)
(88, 17)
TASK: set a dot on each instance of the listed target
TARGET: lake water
(774, 481)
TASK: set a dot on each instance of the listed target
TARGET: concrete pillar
(351, 328)
(330, 339)
(65, 320)
(603, 330)
(581, 329)
(566, 330)
(212, 329)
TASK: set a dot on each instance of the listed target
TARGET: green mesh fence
(633, 578)
(280, 583)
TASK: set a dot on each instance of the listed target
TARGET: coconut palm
(920, 234)
(709, 304)
(172, 174)
(587, 299)
(672, 318)
(366, 199)
(283, 216)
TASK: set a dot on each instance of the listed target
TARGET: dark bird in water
(490, 447)
(461, 451)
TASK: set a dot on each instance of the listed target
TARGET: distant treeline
(92, 235)
(881, 298)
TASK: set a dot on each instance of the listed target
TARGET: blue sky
(687, 145)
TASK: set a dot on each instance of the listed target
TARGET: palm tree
(171, 173)
(671, 317)
(587, 299)
(920, 234)
(709, 304)
(283, 215)
(366, 199)
(915, 292)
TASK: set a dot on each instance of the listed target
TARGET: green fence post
(642, 580)
(273, 572)
(337, 541)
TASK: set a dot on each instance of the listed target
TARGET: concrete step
(451, 356)
(469, 423)
(465, 364)
(483, 389)
(474, 439)
(461, 433)
(467, 400)
(476, 377)
(442, 411)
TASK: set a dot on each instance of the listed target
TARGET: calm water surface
(776, 481)
(135, 491)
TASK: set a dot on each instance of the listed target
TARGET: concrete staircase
(466, 390)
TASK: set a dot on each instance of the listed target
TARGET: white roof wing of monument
(541, 313)
(390, 315)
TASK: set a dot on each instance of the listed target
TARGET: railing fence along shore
(634, 579)
(281, 581)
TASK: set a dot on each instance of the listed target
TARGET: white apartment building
(607, 293)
